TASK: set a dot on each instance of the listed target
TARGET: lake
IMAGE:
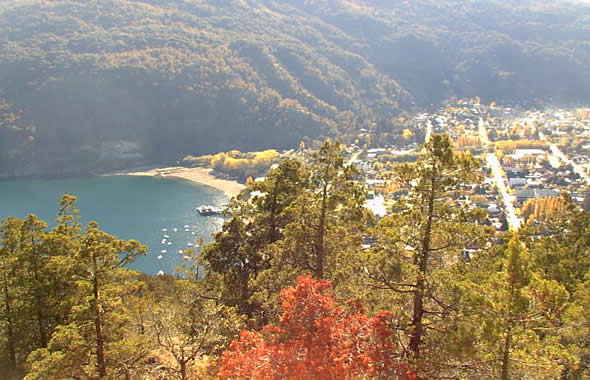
(129, 207)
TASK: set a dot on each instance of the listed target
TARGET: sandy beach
(199, 175)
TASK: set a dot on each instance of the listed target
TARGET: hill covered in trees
(289, 290)
(102, 84)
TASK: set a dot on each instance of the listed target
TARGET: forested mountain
(99, 84)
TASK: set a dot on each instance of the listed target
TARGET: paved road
(353, 158)
(492, 162)
(428, 131)
(483, 133)
(559, 154)
(513, 221)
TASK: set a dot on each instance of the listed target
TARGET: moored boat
(207, 210)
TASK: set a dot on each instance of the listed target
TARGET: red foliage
(315, 340)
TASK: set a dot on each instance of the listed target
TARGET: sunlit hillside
(84, 83)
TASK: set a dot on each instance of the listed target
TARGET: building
(524, 194)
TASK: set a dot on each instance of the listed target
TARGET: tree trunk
(41, 320)
(183, 370)
(320, 252)
(273, 233)
(245, 306)
(421, 260)
(102, 370)
(418, 314)
(10, 328)
(506, 355)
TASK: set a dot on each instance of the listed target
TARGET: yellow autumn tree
(407, 134)
(543, 209)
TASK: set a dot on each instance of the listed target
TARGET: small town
(529, 159)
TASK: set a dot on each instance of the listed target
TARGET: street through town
(494, 164)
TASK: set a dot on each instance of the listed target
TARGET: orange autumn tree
(316, 339)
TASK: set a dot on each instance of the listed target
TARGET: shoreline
(198, 175)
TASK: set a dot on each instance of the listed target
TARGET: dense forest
(290, 289)
(98, 85)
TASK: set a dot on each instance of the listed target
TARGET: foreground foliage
(286, 257)
(316, 339)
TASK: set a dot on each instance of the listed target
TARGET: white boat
(186, 257)
(160, 257)
(180, 251)
(190, 244)
(186, 226)
(163, 241)
(166, 236)
(169, 243)
(164, 229)
(163, 251)
(160, 273)
(175, 229)
(206, 210)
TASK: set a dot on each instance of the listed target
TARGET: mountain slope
(101, 84)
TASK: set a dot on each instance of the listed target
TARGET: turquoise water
(125, 206)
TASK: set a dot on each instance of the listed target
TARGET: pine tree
(11, 334)
(419, 245)
(33, 264)
(517, 318)
(238, 254)
(98, 323)
(327, 217)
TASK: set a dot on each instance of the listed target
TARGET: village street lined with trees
(287, 289)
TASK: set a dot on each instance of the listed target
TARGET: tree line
(289, 288)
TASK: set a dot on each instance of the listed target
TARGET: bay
(129, 207)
